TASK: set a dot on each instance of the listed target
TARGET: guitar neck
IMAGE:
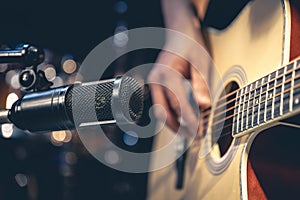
(268, 98)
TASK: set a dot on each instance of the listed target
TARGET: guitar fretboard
(267, 98)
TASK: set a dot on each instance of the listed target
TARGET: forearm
(179, 16)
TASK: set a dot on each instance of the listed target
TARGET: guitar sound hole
(225, 110)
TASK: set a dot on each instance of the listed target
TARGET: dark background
(31, 166)
(71, 26)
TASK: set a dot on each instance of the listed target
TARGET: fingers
(168, 90)
(200, 89)
(176, 110)
(179, 103)
(164, 113)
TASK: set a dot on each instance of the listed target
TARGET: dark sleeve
(220, 13)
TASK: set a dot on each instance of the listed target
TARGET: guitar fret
(255, 106)
(287, 88)
(267, 98)
(292, 86)
(267, 79)
(241, 109)
(248, 105)
(282, 91)
(263, 99)
(296, 89)
(269, 104)
(278, 89)
(270, 95)
(237, 111)
(245, 108)
(259, 102)
(235, 127)
(274, 94)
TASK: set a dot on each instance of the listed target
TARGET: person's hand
(167, 77)
(167, 88)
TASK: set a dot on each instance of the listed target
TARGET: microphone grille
(130, 100)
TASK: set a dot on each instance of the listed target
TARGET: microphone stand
(29, 56)
(30, 79)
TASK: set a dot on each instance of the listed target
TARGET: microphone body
(42, 111)
(67, 107)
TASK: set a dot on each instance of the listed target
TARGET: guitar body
(256, 43)
(247, 50)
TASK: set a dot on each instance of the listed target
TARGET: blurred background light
(50, 72)
(130, 138)
(11, 99)
(66, 170)
(121, 7)
(21, 180)
(3, 67)
(121, 28)
(68, 136)
(7, 130)
(121, 39)
(70, 158)
(58, 136)
(69, 66)
(111, 157)
(58, 81)
(10, 74)
(14, 81)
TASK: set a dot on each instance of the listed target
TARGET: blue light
(130, 138)
(121, 7)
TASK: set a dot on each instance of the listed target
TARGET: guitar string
(231, 116)
(221, 128)
(252, 98)
(220, 136)
(205, 120)
(265, 92)
(265, 84)
(207, 112)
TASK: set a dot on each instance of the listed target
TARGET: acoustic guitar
(257, 153)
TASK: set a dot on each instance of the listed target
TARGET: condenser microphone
(118, 100)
